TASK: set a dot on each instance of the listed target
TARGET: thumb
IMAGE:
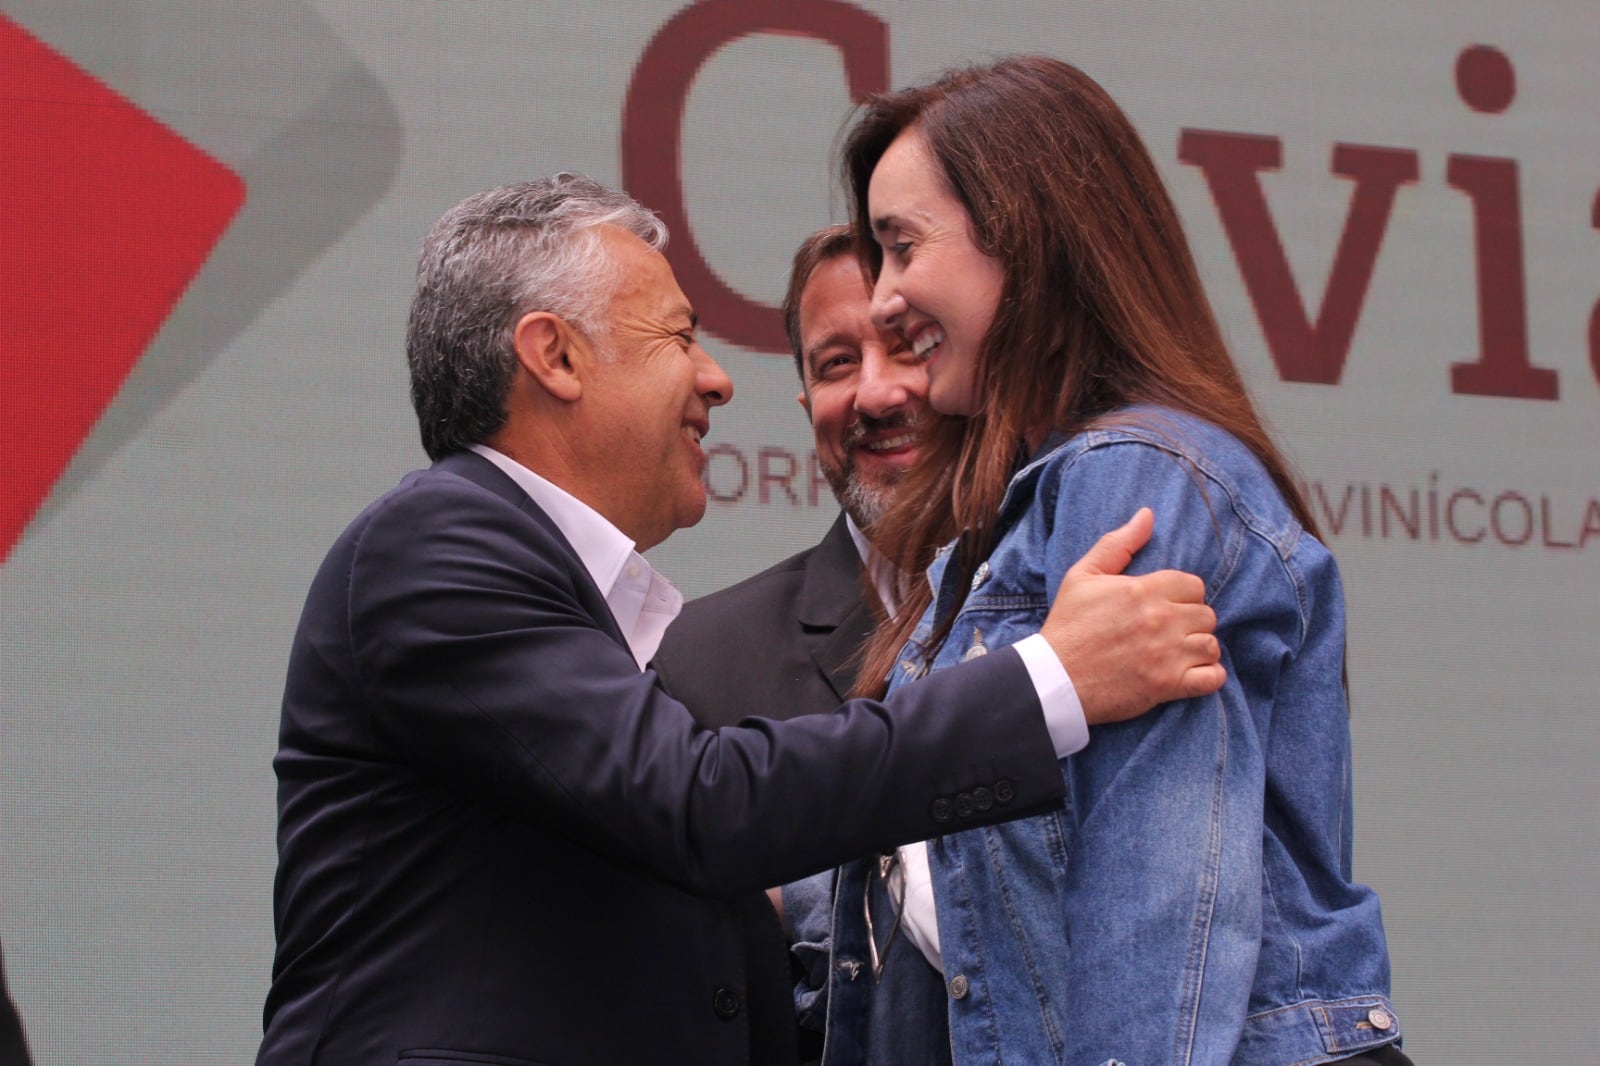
(1113, 552)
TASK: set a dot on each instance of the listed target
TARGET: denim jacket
(1192, 902)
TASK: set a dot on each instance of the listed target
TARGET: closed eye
(883, 229)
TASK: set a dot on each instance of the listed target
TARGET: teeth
(890, 443)
(694, 433)
(927, 342)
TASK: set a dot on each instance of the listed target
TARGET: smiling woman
(935, 285)
(1193, 901)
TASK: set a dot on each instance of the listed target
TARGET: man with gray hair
(499, 840)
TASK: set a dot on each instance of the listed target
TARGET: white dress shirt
(642, 601)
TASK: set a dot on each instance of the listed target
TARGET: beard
(866, 501)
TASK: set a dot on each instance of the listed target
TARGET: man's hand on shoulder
(1130, 643)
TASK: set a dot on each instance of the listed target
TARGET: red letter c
(652, 129)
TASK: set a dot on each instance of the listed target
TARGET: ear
(544, 344)
(805, 403)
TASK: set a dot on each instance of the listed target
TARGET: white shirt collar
(882, 573)
(641, 599)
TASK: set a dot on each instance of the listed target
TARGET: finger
(1202, 649)
(775, 896)
(1175, 585)
(1196, 618)
(1176, 623)
(1202, 680)
(1112, 553)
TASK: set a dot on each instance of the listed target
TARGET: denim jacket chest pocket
(1000, 607)
(993, 620)
(1004, 601)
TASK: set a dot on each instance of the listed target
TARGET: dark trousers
(1387, 1055)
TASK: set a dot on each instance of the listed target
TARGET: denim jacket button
(1380, 1018)
(958, 986)
(980, 576)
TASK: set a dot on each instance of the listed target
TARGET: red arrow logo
(106, 215)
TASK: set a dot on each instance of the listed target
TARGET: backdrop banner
(209, 220)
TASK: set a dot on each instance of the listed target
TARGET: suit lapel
(833, 612)
(481, 472)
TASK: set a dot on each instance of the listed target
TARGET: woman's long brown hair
(1101, 305)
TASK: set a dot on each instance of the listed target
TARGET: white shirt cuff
(1063, 713)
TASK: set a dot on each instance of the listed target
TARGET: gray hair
(492, 259)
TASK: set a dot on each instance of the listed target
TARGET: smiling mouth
(890, 444)
(894, 439)
(926, 342)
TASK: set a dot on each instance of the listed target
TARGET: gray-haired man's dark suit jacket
(500, 842)
(780, 644)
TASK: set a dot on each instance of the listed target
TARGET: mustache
(866, 425)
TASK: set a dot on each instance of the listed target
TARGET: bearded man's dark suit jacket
(780, 644)
(13, 1045)
(497, 836)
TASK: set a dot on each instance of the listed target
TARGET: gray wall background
(147, 610)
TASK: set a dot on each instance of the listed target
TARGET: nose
(710, 380)
(889, 381)
(888, 306)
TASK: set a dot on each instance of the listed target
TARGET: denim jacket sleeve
(1163, 893)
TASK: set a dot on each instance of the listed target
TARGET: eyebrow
(885, 222)
(832, 340)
